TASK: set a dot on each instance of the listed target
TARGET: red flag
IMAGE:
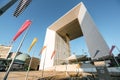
(23, 28)
(42, 49)
(112, 48)
(53, 54)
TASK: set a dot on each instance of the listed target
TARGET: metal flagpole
(115, 58)
(55, 67)
(26, 78)
(20, 45)
(66, 67)
(116, 61)
(44, 63)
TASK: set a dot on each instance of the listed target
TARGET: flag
(23, 28)
(42, 49)
(21, 7)
(97, 51)
(112, 48)
(53, 54)
(7, 6)
(32, 44)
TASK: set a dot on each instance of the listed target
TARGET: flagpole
(114, 57)
(44, 64)
(11, 43)
(26, 78)
(55, 66)
(20, 45)
(66, 67)
(116, 61)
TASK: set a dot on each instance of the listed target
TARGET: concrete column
(68, 45)
(93, 38)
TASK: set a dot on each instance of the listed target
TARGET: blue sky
(105, 13)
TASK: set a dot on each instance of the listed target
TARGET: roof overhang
(68, 24)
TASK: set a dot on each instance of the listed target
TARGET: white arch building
(75, 23)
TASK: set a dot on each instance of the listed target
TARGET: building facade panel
(92, 36)
(4, 51)
(46, 60)
(62, 49)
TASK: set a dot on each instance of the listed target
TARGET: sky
(42, 13)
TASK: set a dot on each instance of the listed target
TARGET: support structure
(74, 24)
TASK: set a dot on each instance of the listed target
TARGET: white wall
(91, 34)
(53, 42)
(50, 47)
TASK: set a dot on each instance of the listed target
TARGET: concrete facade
(75, 23)
(4, 51)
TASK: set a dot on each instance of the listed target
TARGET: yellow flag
(32, 44)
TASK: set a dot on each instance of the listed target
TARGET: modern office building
(75, 23)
